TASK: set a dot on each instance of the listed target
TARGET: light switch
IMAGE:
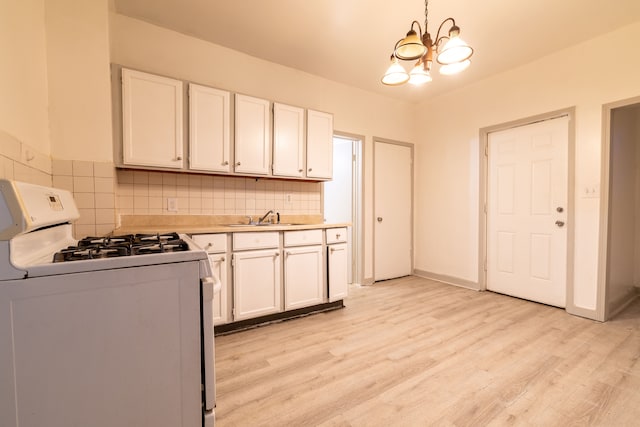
(172, 204)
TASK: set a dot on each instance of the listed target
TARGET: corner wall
(448, 155)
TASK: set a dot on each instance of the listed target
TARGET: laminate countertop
(202, 224)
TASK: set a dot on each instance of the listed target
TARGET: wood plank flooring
(413, 352)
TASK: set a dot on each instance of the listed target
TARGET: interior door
(393, 189)
(527, 211)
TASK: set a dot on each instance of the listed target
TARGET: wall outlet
(172, 204)
(287, 198)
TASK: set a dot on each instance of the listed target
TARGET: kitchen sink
(267, 224)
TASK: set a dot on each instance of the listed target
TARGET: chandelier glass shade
(452, 53)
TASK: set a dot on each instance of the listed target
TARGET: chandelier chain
(426, 15)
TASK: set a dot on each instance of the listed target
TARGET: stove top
(119, 246)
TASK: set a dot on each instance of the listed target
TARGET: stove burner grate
(125, 245)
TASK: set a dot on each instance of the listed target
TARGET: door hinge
(485, 264)
(486, 150)
(485, 207)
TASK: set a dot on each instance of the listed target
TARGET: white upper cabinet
(152, 120)
(209, 129)
(288, 140)
(319, 145)
(252, 135)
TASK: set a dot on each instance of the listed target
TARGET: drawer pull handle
(237, 163)
(225, 163)
(337, 236)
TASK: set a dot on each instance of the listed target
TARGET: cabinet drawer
(212, 243)
(336, 235)
(303, 237)
(242, 241)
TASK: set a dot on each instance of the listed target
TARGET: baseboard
(622, 302)
(450, 280)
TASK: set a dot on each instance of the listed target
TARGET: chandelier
(452, 53)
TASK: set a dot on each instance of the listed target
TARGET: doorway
(621, 208)
(343, 198)
(527, 197)
(393, 207)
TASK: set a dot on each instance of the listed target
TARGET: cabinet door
(256, 283)
(319, 145)
(337, 261)
(288, 140)
(303, 277)
(151, 120)
(209, 133)
(252, 135)
(219, 265)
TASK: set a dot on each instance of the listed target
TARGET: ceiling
(350, 41)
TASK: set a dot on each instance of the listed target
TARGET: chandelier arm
(419, 28)
(438, 38)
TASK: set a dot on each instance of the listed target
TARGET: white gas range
(102, 331)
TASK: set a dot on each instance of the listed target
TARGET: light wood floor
(412, 352)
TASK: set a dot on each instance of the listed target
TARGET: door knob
(379, 219)
(560, 223)
(560, 209)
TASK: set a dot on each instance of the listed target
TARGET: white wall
(586, 76)
(77, 34)
(23, 74)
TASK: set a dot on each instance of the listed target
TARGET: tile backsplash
(147, 193)
(103, 193)
(93, 188)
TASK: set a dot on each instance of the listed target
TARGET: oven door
(209, 286)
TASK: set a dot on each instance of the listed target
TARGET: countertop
(203, 224)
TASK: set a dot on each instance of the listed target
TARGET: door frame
(602, 312)
(373, 213)
(357, 223)
(483, 202)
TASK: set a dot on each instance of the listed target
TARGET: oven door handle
(209, 285)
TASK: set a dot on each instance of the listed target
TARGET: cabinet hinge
(233, 261)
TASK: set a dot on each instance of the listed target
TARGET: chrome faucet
(265, 216)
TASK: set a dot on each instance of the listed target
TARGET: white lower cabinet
(337, 263)
(216, 247)
(303, 278)
(256, 283)
(220, 266)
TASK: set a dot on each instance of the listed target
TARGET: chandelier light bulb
(396, 74)
(454, 68)
(419, 75)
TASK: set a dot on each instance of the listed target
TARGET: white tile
(155, 202)
(155, 190)
(82, 168)
(104, 170)
(105, 216)
(81, 230)
(85, 200)
(105, 201)
(62, 167)
(104, 229)
(83, 184)
(63, 182)
(87, 217)
(124, 176)
(155, 178)
(103, 185)
(141, 177)
(141, 189)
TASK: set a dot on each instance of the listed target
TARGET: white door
(256, 283)
(319, 144)
(209, 129)
(527, 211)
(288, 140)
(393, 186)
(303, 277)
(253, 135)
(151, 120)
(337, 263)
